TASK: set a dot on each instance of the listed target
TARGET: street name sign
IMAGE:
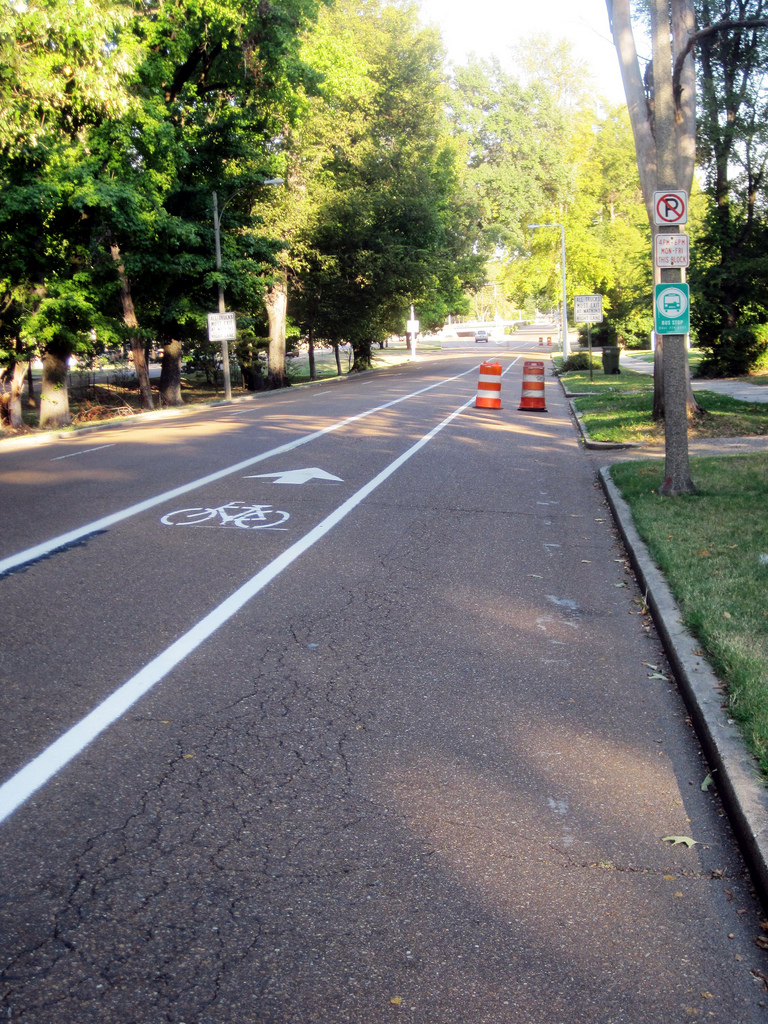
(222, 327)
(671, 250)
(588, 309)
(671, 309)
(670, 208)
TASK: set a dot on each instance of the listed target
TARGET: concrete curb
(736, 774)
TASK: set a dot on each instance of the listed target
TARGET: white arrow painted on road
(296, 476)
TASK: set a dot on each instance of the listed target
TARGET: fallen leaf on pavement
(658, 675)
(677, 840)
(709, 781)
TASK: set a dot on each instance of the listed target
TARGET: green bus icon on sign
(671, 309)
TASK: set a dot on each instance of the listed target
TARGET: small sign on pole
(672, 250)
(670, 208)
(222, 327)
(588, 309)
(672, 309)
(412, 327)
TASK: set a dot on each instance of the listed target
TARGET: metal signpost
(588, 309)
(412, 329)
(222, 327)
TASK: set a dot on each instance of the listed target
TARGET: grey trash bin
(611, 359)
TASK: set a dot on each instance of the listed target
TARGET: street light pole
(566, 349)
(222, 306)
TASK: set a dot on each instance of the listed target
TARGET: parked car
(481, 336)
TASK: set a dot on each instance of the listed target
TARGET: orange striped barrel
(489, 386)
(541, 340)
(533, 386)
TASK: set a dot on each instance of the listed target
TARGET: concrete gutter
(735, 771)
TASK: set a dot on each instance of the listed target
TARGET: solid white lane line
(40, 550)
(20, 787)
(83, 452)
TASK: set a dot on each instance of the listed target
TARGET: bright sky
(493, 26)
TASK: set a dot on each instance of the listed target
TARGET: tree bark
(677, 473)
(684, 90)
(10, 401)
(276, 303)
(137, 346)
(54, 397)
(645, 147)
(30, 386)
(338, 357)
(311, 349)
(170, 374)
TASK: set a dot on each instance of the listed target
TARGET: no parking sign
(670, 207)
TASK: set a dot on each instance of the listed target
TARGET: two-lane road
(339, 706)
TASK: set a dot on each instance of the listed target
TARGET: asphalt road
(403, 751)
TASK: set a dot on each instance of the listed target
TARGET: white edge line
(21, 786)
(40, 550)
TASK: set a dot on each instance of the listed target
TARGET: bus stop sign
(672, 309)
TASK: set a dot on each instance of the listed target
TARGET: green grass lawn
(621, 417)
(713, 549)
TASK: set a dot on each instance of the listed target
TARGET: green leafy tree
(389, 228)
(729, 274)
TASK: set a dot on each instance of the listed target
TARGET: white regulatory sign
(588, 309)
(670, 208)
(222, 327)
(672, 250)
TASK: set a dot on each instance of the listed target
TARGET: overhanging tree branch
(704, 33)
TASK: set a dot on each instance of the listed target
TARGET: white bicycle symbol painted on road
(234, 513)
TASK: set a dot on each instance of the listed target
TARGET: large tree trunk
(338, 357)
(311, 349)
(170, 374)
(276, 303)
(677, 473)
(54, 397)
(10, 400)
(692, 407)
(137, 346)
(664, 134)
(30, 386)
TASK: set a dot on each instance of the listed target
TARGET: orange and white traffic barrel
(533, 386)
(549, 340)
(489, 386)
(541, 340)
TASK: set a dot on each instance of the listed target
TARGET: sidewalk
(743, 390)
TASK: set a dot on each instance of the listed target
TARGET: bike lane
(191, 566)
